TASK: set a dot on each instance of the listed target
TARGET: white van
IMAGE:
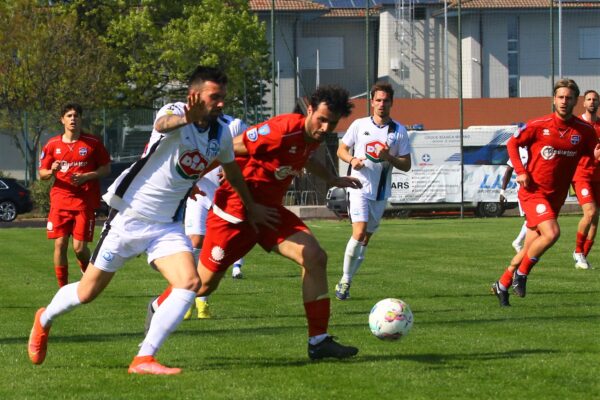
(433, 181)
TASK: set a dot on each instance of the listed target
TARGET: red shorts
(539, 208)
(79, 223)
(225, 242)
(587, 192)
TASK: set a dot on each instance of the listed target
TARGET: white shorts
(362, 209)
(124, 237)
(195, 217)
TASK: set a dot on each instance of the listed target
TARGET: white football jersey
(156, 186)
(367, 137)
(210, 182)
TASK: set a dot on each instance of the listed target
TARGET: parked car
(115, 170)
(15, 199)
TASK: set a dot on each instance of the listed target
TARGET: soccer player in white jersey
(380, 144)
(145, 201)
(196, 210)
(517, 244)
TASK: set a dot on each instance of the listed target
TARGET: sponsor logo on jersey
(293, 149)
(575, 139)
(252, 135)
(83, 151)
(546, 132)
(191, 164)
(283, 172)
(57, 151)
(366, 133)
(549, 152)
(541, 209)
(585, 192)
(217, 254)
(264, 130)
(64, 166)
(372, 150)
(392, 138)
(213, 148)
(108, 256)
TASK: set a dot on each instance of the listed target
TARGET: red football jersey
(85, 155)
(277, 152)
(555, 147)
(588, 168)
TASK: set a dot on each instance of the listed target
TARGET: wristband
(501, 192)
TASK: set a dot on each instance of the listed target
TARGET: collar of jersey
(380, 126)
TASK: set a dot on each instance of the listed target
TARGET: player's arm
(403, 163)
(257, 213)
(194, 111)
(48, 165)
(47, 173)
(315, 167)
(99, 173)
(512, 146)
(239, 147)
(343, 154)
(505, 179)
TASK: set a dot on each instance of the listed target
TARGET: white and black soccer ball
(390, 319)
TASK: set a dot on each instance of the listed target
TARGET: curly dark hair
(336, 97)
(202, 74)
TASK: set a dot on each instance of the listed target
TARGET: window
(513, 55)
(589, 43)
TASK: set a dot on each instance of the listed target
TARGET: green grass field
(462, 345)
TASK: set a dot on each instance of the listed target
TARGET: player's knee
(315, 257)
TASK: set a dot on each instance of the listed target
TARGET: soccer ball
(390, 319)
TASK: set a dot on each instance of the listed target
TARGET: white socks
(166, 319)
(63, 301)
(353, 258)
(522, 233)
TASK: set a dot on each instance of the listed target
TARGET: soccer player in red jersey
(555, 142)
(586, 183)
(77, 161)
(278, 150)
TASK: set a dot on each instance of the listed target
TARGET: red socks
(62, 275)
(506, 278)
(579, 242)
(587, 246)
(527, 264)
(317, 315)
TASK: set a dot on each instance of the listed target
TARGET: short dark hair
(202, 74)
(71, 106)
(566, 83)
(382, 86)
(590, 91)
(336, 97)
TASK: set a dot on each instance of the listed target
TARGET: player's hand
(346, 181)
(384, 153)
(78, 179)
(357, 163)
(262, 215)
(196, 191)
(195, 109)
(55, 166)
(524, 179)
(597, 152)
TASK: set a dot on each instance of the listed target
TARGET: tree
(45, 62)
(158, 43)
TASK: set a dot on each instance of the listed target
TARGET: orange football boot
(38, 339)
(147, 365)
